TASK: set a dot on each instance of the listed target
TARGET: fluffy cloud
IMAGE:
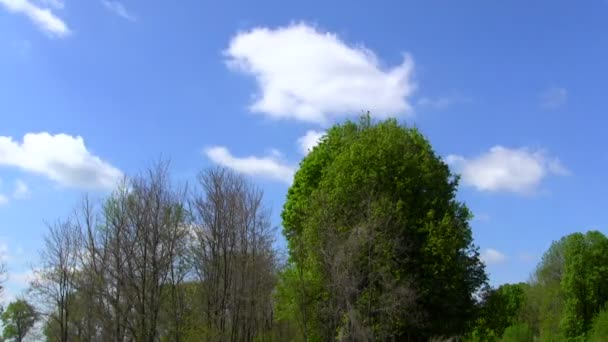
(62, 158)
(307, 142)
(119, 9)
(491, 256)
(553, 98)
(306, 74)
(3, 199)
(269, 167)
(44, 18)
(502, 169)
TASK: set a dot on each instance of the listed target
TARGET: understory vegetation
(379, 248)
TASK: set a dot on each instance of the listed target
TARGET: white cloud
(553, 98)
(3, 199)
(21, 189)
(268, 167)
(441, 102)
(119, 9)
(44, 18)
(306, 74)
(491, 256)
(62, 158)
(502, 169)
(307, 142)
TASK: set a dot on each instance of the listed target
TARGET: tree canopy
(379, 245)
(18, 318)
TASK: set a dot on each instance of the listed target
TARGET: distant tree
(18, 318)
(585, 280)
(544, 305)
(500, 309)
(379, 246)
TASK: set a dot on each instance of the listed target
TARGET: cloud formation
(491, 256)
(502, 169)
(310, 75)
(553, 98)
(268, 167)
(62, 158)
(44, 18)
(119, 9)
(309, 140)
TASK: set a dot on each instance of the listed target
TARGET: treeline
(379, 249)
(155, 262)
(565, 299)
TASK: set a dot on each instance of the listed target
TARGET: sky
(511, 95)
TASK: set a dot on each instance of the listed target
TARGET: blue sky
(511, 94)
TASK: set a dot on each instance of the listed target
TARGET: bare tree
(128, 270)
(55, 282)
(234, 258)
(154, 218)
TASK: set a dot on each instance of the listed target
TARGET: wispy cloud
(21, 189)
(491, 256)
(440, 103)
(59, 4)
(553, 98)
(44, 18)
(119, 9)
(268, 167)
(3, 199)
(517, 170)
(310, 75)
(62, 158)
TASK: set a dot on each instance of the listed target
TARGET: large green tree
(380, 248)
(19, 317)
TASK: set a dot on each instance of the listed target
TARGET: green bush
(599, 329)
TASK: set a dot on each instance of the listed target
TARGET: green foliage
(544, 305)
(599, 329)
(568, 290)
(585, 273)
(520, 332)
(377, 196)
(18, 318)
